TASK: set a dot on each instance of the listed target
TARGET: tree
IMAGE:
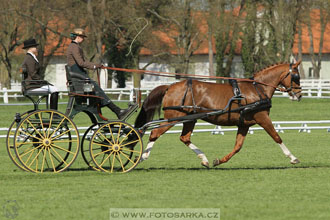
(226, 24)
(268, 34)
(317, 16)
(43, 21)
(10, 39)
(181, 24)
(126, 39)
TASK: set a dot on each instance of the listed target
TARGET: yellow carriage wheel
(116, 147)
(84, 148)
(10, 141)
(46, 140)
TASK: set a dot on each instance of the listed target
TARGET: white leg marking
(287, 153)
(146, 153)
(199, 153)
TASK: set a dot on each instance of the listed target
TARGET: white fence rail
(122, 94)
(280, 126)
(311, 88)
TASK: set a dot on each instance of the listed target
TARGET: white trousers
(51, 89)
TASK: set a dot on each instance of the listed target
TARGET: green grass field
(257, 183)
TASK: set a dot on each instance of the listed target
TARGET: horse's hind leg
(241, 133)
(155, 134)
(187, 129)
(266, 123)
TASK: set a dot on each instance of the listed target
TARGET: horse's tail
(150, 105)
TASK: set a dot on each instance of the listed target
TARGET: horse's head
(290, 80)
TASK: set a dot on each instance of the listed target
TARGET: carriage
(48, 140)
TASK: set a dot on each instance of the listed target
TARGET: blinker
(295, 78)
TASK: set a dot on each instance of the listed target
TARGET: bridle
(295, 78)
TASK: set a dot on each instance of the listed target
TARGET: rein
(166, 74)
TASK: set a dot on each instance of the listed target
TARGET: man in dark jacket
(32, 78)
(77, 63)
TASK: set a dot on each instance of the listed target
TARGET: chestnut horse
(178, 100)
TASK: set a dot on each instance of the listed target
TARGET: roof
(166, 41)
(316, 30)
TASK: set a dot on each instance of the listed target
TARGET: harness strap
(189, 88)
(236, 89)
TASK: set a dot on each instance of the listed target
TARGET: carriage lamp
(18, 117)
(88, 87)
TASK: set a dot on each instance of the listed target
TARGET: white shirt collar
(34, 56)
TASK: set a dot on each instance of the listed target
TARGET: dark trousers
(98, 90)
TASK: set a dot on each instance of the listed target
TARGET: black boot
(114, 108)
(54, 100)
(122, 113)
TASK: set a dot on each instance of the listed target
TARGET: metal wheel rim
(49, 137)
(116, 150)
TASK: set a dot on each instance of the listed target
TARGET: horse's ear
(297, 63)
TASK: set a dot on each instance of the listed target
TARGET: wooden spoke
(34, 127)
(103, 145)
(126, 136)
(60, 156)
(113, 162)
(121, 163)
(68, 141)
(58, 126)
(128, 158)
(60, 148)
(35, 148)
(42, 124)
(51, 159)
(60, 135)
(105, 159)
(132, 142)
(36, 157)
(118, 134)
(43, 162)
(50, 123)
(30, 135)
(133, 151)
(106, 138)
(113, 138)
(102, 152)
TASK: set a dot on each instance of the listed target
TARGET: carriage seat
(27, 90)
(27, 85)
(77, 83)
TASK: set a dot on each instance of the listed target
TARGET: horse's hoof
(216, 162)
(295, 161)
(205, 164)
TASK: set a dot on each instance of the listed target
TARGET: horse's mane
(269, 67)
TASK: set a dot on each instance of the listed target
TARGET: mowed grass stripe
(257, 183)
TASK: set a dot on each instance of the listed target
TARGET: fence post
(131, 95)
(319, 92)
(5, 95)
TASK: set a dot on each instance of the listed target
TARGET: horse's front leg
(154, 135)
(241, 134)
(185, 138)
(267, 124)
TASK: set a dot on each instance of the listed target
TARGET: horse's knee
(153, 136)
(278, 139)
(185, 140)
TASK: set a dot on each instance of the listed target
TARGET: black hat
(30, 43)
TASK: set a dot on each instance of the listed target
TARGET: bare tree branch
(144, 27)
